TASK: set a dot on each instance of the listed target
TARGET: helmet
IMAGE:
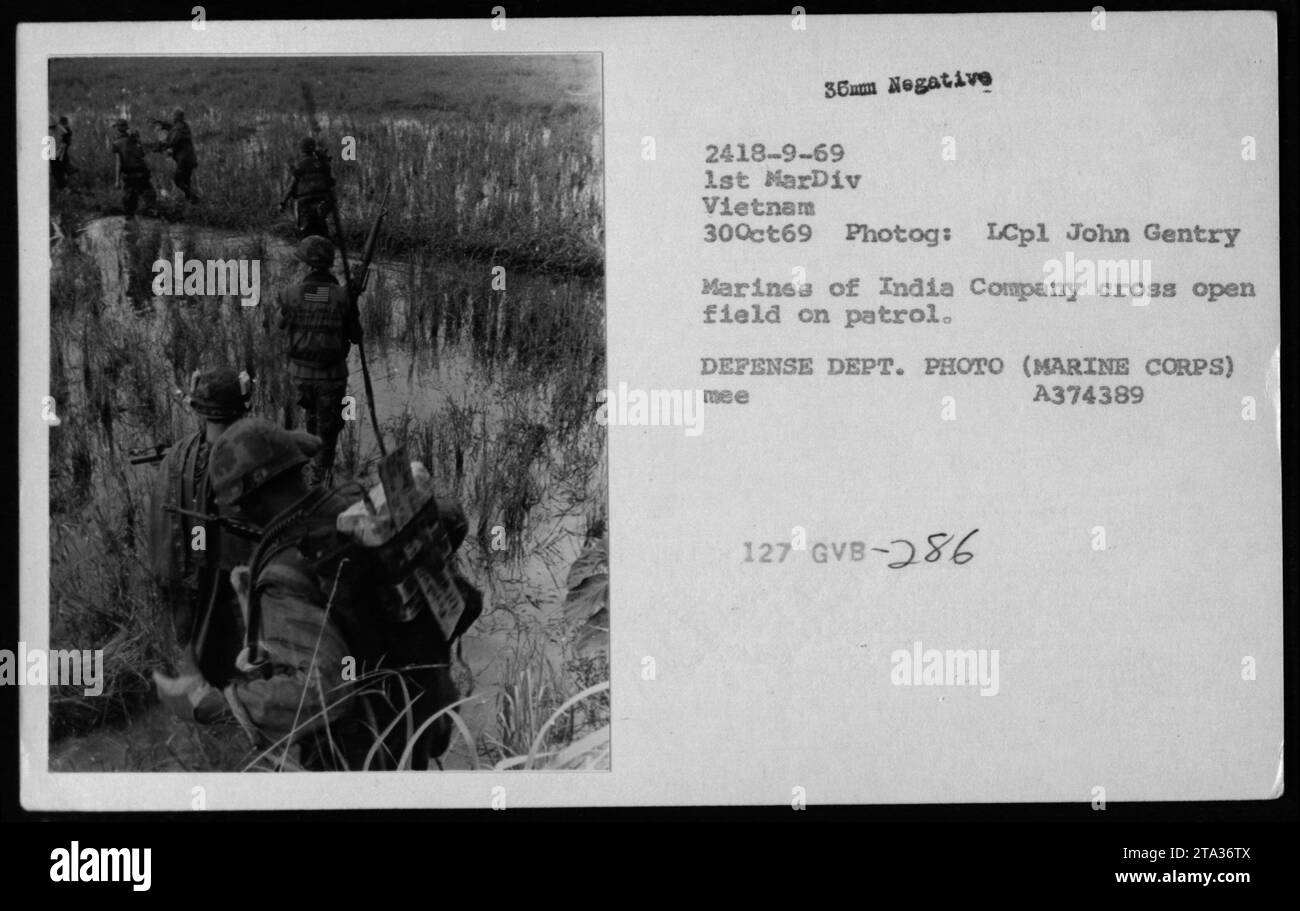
(220, 394)
(308, 145)
(253, 452)
(178, 114)
(315, 251)
(120, 125)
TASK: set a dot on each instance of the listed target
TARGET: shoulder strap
(279, 536)
(192, 459)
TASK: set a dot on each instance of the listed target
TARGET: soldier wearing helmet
(296, 616)
(255, 471)
(194, 579)
(61, 165)
(179, 141)
(132, 169)
(312, 186)
(309, 604)
(322, 323)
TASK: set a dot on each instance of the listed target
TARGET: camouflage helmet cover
(219, 394)
(316, 251)
(253, 452)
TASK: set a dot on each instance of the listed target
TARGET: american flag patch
(318, 295)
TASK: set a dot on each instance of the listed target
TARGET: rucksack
(313, 175)
(396, 602)
(315, 315)
(182, 144)
(132, 154)
(194, 581)
(171, 558)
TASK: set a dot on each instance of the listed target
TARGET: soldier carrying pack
(191, 556)
(179, 141)
(132, 169)
(349, 606)
(312, 188)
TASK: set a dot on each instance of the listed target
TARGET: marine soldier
(191, 557)
(132, 169)
(308, 605)
(61, 165)
(180, 142)
(293, 688)
(312, 187)
(322, 322)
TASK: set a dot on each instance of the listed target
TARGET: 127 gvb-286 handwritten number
(933, 551)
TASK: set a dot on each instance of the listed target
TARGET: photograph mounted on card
(930, 382)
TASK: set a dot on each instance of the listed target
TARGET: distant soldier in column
(180, 143)
(61, 166)
(132, 169)
(312, 188)
(322, 322)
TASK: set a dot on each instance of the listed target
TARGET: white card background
(1119, 668)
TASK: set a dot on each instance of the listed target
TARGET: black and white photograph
(327, 343)
(907, 381)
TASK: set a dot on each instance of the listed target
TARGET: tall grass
(511, 184)
(510, 444)
(491, 162)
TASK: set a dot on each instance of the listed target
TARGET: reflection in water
(140, 243)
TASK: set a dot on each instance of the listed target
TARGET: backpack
(182, 483)
(181, 143)
(194, 582)
(315, 314)
(132, 153)
(396, 604)
(176, 485)
(313, 175)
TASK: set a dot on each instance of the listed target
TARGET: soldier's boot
(188, 696)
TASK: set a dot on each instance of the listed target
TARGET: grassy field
(493, 390)
(488, 157)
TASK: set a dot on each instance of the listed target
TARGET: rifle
(236, 526)
(372, 240)
(147, 455)
(354, 292)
